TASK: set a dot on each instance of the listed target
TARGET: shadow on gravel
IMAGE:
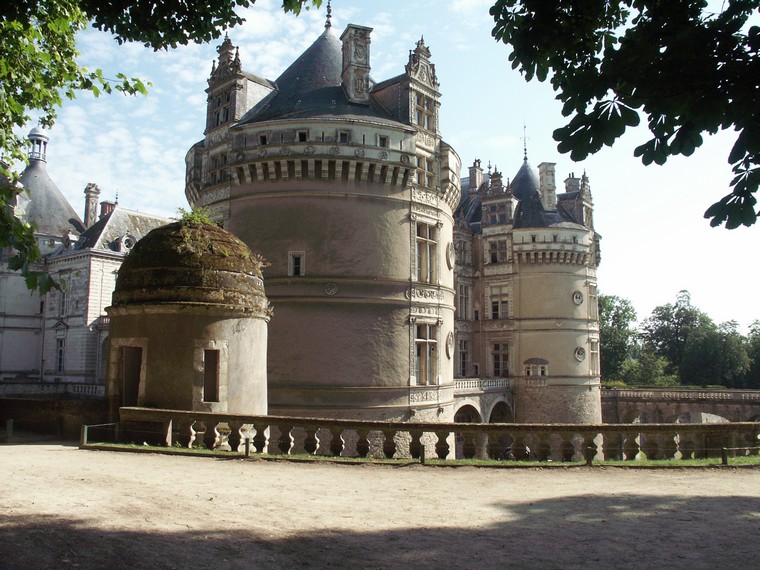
(626, 531)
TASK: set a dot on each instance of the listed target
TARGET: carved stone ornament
(261, 153)
(240, 157)
(334, 150)
(580, 354)
(450, 345)
(383, 155)
(309, 150)
(359, 152)
(405, 158)
(331, 288)
(285, 151)
(450, 255)
(577, 297)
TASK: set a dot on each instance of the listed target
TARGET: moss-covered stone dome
(192, 264)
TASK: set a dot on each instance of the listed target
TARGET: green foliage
(194, 216)
(667, 330)
(715, 355)
(648, 369)
(617, 338)
(687, 69)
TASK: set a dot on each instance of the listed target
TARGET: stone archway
(465, 444)
(501, 413)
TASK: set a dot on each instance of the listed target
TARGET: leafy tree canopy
(616, 315)
(39, 69)
(687, 69)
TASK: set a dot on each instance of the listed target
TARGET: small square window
(343, 137)
(263, 139)
(302, 136)
(382, 141)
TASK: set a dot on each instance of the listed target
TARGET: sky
(655, 241)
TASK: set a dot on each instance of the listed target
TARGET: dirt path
(65, 508)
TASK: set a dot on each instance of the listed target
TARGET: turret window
(499, 303)
(463, 302)
(296, 263)
(425, 258)
(464, 356)
(263, 140)
(424, 172)
(383, 141)
(426, 362)
(424, 109)
(302, 136)
(344, 137)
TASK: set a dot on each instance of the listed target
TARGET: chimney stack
(355, 76)
(91, 194)
(106, 208)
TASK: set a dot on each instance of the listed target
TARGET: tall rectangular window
(426, 361)
(60, 354)
(463, 305)
(424, 112)
(593, 307)
(594, 357)
(500, 356)
(63, 300)
(497, 251)
(210, 375)
(464, 357)
(426, 253)
(499, 303)
(296, 263)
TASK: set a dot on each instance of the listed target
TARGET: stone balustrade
(352, 438)
(481, 384)
(47, 389)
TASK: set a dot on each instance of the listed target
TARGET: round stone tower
(348, 190)
(189, 324)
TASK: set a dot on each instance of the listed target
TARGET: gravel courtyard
(61, 507)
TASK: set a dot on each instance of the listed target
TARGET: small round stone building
(189, 322)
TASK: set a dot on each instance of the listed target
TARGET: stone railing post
(336, 442)
(285, 443)
(389, 444)
(415, 445)
(311, 442)
(442, 447)
(362, 442)
(260, 439)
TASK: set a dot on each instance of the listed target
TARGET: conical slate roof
(311, 87)
(525, 181)
(48, 210)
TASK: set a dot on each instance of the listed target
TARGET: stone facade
(382, 294)
(61, 336)
(347, 189)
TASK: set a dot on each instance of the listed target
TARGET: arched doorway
(501, 414)
(464, 447)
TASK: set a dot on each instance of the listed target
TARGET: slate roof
(47, 208)
(311, 87)
(106, 232)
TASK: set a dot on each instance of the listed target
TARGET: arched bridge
(682, 405)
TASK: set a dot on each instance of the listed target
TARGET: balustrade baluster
(668, 445)
(336, 442)
(590, 447)
(442, 447)
(183, 433)
(468, 444)
(285, 443)
(543, 446)
(567, 447)
(631, 448)
(415, 446)
(235, 437)
(362, 442)
(260, 439)
(612, 446)
(311, 442)
(211, 435)
(389, 444)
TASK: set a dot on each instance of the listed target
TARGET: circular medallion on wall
(359, 152)
(240, 157)
(450, 255)
(261, 153)
(331, 288)
(450, 345)
(334, 150)
(577, 297)
(580, 354)
(383, 155)
(309, 150)
(284, 151)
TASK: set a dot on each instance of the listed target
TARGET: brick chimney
(91, 195)
(106, 208)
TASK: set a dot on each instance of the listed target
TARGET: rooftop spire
(525, 144)
(328, 24)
